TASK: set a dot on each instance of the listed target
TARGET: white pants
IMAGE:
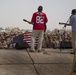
(39, 34)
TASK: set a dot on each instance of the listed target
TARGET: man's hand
(65, 24)
(27, 21)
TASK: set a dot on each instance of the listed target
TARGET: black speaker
(66, 45)
(22, 45)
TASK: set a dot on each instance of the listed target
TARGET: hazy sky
(12, 12)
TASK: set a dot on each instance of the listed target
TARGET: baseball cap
(73, 11)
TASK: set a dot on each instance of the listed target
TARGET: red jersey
(39, 19)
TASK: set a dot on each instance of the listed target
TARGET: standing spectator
(39, 20)
(73, 24)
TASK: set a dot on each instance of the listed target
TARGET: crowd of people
(7, 36)
(54, 38)
(51, 40)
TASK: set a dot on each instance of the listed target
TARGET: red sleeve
(33, 18)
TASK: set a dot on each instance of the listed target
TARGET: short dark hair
(40, 8)
(73, 11)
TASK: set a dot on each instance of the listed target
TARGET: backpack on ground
(22, 45)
